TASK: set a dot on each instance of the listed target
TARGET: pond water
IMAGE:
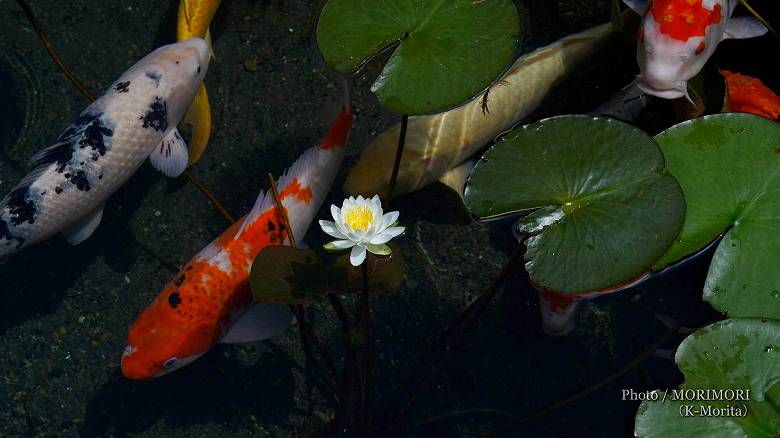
(65, 311)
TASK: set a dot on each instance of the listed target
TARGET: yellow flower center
(359, 217)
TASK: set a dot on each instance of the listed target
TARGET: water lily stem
(341, 313)
(454, 336)
(399, 152)
(312, 338)
(365, 321)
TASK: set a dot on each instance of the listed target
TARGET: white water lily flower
(361, 225)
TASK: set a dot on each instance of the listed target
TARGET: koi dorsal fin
(266, 201)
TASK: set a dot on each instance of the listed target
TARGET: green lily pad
(287, 275)
(444, 51)
(737, 354)
(729, 168)
(606, 209)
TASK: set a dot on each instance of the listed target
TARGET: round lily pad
(444, 52)
(721, 359)
(606, 209)
(729, 168)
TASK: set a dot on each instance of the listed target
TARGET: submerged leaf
(721, 359)
(444, 52)
(606, 210)
(729, 168)
(287, 275)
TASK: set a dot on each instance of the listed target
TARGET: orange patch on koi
(683, 20)
(296, 189)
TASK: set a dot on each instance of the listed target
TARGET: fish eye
(170, 363)
(197, 70)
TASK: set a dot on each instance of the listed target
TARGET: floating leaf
(729, 168)
(739, 354)
(606, 210)
(444, 51)
(287, 275)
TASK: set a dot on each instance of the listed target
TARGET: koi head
(675, 40)
(171, 75)
(162, 340)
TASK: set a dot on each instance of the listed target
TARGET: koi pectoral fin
(260, 322)
(171, 155)
(81, 231)
(638, 6)
(739, 28)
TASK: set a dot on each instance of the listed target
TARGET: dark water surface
(65, 311)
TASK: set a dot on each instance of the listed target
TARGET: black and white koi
(133, 120)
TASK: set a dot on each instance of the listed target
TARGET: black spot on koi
(157, 115)
(5, 233)
(20, 209)
(174, 299)
(122, 87)
(80, 180)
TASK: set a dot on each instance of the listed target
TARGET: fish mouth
(674, 92)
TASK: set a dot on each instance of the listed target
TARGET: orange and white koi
(677, 37)
(209, 301)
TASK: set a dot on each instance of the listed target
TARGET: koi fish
(440, 142)
(133, 120)
(747, 94)
(193, 20)
(677, 37)
(209, 301)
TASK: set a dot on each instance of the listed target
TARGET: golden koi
(437, 143)
(209, 301)
(193, 21)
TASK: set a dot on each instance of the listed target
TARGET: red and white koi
(677, 37)
(209, 301)
(133, 120)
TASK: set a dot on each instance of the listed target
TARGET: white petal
(376, 203)
(344, 228)
(341, 244)
(394, 231)
(357, 255)
(389, 219)
(331, 230)
(381, 238)
(335, 212)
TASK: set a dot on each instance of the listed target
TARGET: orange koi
(749, 95)
(209, 301)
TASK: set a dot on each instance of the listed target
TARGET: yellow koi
(193, 21)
